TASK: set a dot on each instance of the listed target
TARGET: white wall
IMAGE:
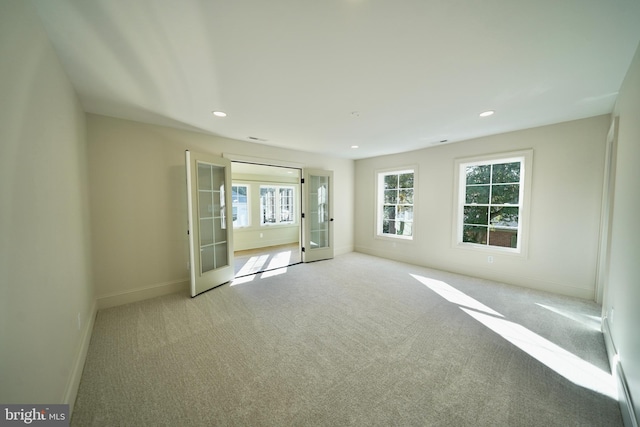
(622, 294)
(567, 177)
(45, 277)
(138, 202)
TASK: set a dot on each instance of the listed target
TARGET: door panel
(318, 218)
(209, 206)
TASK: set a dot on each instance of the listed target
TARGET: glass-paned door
(318, 216)
(210, 227)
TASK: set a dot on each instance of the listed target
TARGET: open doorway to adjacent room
(266, 217)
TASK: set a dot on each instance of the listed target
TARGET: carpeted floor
(356, 340)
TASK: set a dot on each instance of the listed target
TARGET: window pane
(474, 234)
(286, 204)
(268, 205)
(476, 215)
(404, 228)
(504, 217)
(405, 213)
(506, 172)
(503, 237)
(390, 181)
(389, 212)
(388, 227)
(405, 197)
(505, 194)
(478, 174)
(477, 194)
(390, 196)
(406, 180)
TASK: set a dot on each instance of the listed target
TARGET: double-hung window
(277, 204)
(395, 203)
(491, 201)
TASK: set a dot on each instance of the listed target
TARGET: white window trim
(459, 191)
(380, 199)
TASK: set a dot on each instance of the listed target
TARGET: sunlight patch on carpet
(567, 364)
(453, 295)
(563, 362)
(592, 322)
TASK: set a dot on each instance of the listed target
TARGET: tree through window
(491, 202)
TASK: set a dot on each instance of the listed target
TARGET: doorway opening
(266, 204)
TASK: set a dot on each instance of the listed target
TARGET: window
(240, 205)
(491, 202)
(277, 205)
(395, 203)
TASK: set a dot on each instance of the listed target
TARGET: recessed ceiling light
(487, 113)
(220, 114)
(354, 146)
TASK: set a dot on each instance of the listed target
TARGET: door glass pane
(319, 211)
(220, 231)
(206, 232)
(213, 230)
(221, 255)
(205, 203)
(204, 176)
(206, 258)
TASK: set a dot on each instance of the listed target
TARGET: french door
(210, 225)
(317, 220)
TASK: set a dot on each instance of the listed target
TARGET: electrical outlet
(261, 235)
(490, 259)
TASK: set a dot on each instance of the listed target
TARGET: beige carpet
(356, 340)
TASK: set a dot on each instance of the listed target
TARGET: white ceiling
(321, 76)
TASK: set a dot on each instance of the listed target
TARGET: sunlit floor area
(356, 340)
(268, 258)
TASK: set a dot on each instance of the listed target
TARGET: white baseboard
(624, 396)
(140, 294)
(71, 390)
